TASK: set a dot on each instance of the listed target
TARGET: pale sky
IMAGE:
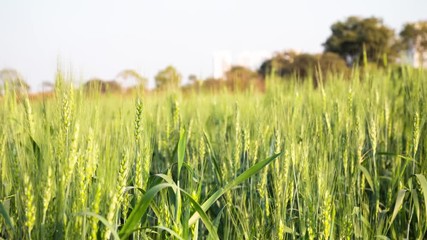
(99, 38)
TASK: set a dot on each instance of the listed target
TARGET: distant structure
(415, 58)
(416, 55)
(252, 59)
(419, 59)
(47, 86)
(130, 78)
(223, 61)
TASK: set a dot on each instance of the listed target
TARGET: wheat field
(344, 160)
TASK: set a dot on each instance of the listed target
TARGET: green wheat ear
(30, 208)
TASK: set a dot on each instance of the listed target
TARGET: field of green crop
(347, 160)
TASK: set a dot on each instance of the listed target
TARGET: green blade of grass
(414, 196)
(398, 204)
(382, 237)
(423, 183)
(205, 219)
(181, 154)
(104, 221)
(153, 205)
(6, 217)
(242, 177)
(216, 221)
(214, 159)
(173, 233)
(203, 216)
(181, 151)
(367, 176)
(135, 217)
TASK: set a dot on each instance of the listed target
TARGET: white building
(222, 62)
(419, 59)
(416, 55)
(252, 59)
(414, 58)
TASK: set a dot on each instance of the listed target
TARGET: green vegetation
(311, 146)
(358, 40)
(303, 65)
(345, 159)
(101, 86)
(12, 80)
(168, 78)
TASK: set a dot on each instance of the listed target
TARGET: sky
(100, 38)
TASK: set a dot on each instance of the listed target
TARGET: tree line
(353, 42)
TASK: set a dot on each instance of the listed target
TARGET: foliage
(12, 79)
(141, 81)
(355, 36)
(240, 78)
(332, 63)
(279, 65)
(168, 78)
(208, 85)
(304, 65)
(240, 73)
(237, 78)
(101, 86)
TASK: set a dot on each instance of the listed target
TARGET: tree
(240, 78)
(213, 84)
(351, 38)
(331, 63)
(241, 74)
(168, 78)
(303, 65)
(13, 80)
(133, 75)
(414, 37)
(279, 65)
(101, 86)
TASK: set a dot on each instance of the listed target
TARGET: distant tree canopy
(213, 84)
(302, 65)
(13, 80)
(168, 78)
(240, 78)
(133, 75)
(101, 86)
(331, 63)
(351, 38)
(237, 78)
(414, 37)
(240, 74)
(279, 65)
(193, 79)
